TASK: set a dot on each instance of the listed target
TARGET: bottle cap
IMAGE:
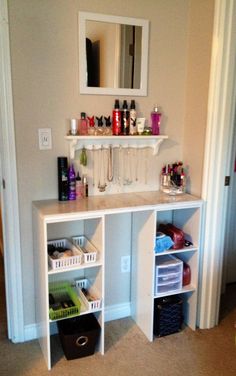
(83, 115)
(62, 162)
(117, 103)
(132, 105)
(78, 178)
(156, 108)
(125, 105)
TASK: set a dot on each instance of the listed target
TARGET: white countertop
(117, 203)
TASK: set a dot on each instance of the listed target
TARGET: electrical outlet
(125, 264)
(45, 138)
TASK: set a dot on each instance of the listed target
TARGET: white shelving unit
(90, 142)
(88, 217)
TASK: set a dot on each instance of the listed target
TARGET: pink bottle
(83, 125)
(155, 121)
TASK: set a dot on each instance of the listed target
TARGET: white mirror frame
(84, 89)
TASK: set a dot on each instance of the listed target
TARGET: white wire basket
(65, 262)
(90, 300)
(86, 247)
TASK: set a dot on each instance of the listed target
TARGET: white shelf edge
(185, 289)
(173, 252)
(77, 267)
(82, 313)
(91, 142)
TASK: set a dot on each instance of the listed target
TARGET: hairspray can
(116, 119)
(62, 166)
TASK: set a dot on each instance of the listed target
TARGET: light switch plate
(45, 138)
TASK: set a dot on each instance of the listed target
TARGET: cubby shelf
(91, 142)
(98, 220)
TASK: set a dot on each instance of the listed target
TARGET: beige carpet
(128, 352)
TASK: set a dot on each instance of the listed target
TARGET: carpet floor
(128, 352)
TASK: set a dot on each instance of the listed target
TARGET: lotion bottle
(155, 121)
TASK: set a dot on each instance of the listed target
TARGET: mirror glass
(113, 54)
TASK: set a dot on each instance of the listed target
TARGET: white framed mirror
(113, 54)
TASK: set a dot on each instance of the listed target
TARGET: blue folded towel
(163, 242)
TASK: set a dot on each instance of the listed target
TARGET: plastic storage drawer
(79, 336)
(169, 274)
(168, 264)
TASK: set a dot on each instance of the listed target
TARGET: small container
(79, 336)
(83, 125)
(155, 121)
(85, 186)
(74, 127)
(62, 167)
(140, 125)
(91, 126)
(108, 130)
(100, 128)
(79, 187)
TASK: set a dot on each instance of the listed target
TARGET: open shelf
(91, 142)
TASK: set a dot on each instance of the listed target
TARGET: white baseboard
(117, 311)
(114, 312)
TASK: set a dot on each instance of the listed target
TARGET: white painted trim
(9, 195)
(113, 312)
(221, 107)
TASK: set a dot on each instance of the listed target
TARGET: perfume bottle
(100, 129)
(83, 125)
(91, 126)
(71, 183)
(108, 130)
(79, 187)
(155, 120)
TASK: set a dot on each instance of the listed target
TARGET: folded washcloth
(163, 242)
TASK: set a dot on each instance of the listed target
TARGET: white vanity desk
(90, 217)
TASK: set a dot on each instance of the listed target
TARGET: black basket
(168, 315)
(79, 336)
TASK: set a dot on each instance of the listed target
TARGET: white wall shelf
(91, 142)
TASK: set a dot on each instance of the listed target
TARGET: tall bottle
(133, 117)
(155, 121)
(62, 167)
(125, 119)
(71, 183)
(116, 119)
(83, 125)
(79, 187)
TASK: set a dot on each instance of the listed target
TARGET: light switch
(45, 138)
